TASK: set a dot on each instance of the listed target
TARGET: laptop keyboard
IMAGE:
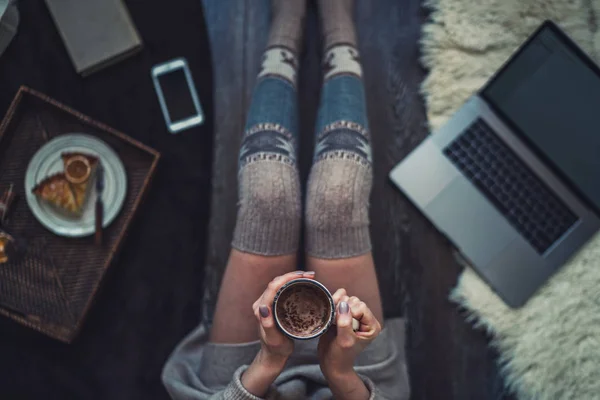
(530, 207)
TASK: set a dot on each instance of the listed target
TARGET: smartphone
(177, 95)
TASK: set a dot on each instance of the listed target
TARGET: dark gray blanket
(416, 269)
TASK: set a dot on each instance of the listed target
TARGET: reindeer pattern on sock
(342, 60)
(279, 62)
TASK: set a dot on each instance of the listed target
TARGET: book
(9, 20)
(96, 33)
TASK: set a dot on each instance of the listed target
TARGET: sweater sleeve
(234, 391)
(375, 394)
(237, 391)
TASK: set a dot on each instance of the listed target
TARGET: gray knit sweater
(198, 370)
(236, 391)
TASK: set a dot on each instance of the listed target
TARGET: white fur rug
(550, 349)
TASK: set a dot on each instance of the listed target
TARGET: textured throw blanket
(549, 349)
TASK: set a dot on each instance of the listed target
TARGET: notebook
(96, 33)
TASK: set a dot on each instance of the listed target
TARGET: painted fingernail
(344, 309)
(264, 311)
(299, 272)
(310, 273)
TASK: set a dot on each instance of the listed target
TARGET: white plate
(47, 161)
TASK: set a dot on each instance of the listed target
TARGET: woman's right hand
(273, 341)
(275, 346)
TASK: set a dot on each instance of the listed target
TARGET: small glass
(6, 247)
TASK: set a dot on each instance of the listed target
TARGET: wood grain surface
(153, 295)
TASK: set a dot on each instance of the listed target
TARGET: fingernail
(343, 308)
(310, 273)
(263, 311)
(299, 272)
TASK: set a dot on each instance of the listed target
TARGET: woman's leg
(339, 186)
(267, 229)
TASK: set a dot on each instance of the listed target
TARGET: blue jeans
(274, 100)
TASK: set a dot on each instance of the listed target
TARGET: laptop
(513, 178)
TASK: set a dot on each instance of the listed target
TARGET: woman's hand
(339, 347)
(273, 342)
(275, 346)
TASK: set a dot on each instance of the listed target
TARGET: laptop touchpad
(470, 222)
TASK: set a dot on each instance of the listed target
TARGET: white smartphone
(177, 95)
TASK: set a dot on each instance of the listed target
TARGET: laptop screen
(553, 98)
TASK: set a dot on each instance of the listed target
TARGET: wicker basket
(51, 288)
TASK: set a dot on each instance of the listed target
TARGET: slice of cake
(56, 190)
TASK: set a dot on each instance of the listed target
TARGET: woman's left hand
(339, 347)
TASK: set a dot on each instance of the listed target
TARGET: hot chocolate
(303, 309)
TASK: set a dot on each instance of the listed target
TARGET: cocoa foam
(303, 309)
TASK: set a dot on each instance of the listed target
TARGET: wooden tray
(52, 287)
